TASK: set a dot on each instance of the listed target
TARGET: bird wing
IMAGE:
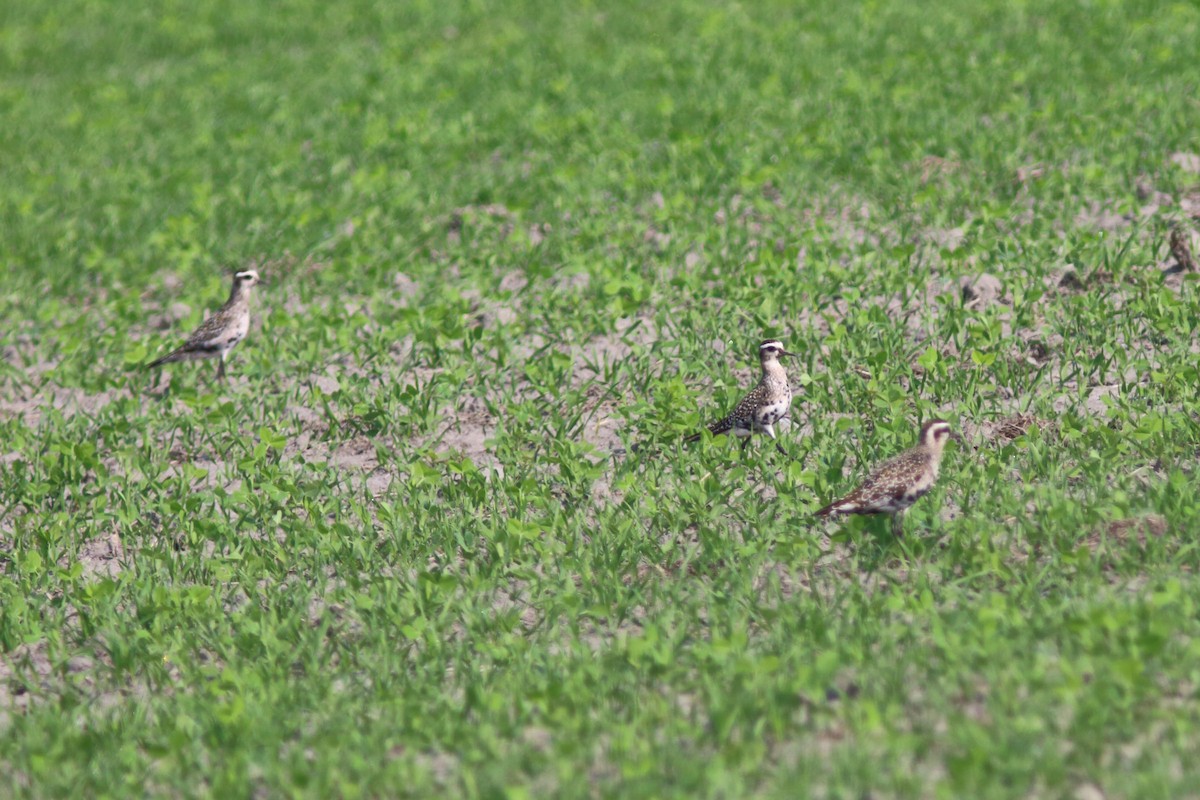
(721, 426)
(725, 424)
(211, 334)
(208, 338)
(886, 481)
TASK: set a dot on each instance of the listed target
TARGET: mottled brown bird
(900, 481)
(1181, 250)
(765, 404)
(221, 332)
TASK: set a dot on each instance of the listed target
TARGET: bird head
(246, 278)
(935, 432)
(771, 350)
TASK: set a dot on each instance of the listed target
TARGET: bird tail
(182, 354)
(167, 359)
(718, 428)
(829, 510)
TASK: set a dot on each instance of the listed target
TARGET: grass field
(392, 555)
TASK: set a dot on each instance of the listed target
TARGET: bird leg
(770, 431)
(898, 524)
(221, 371)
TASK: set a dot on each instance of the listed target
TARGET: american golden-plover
(900, 481)
(766, 404)
(221, 332)
(1181, 251)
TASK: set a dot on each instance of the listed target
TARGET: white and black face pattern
(771, 349)
(246, 278)
(935, 433)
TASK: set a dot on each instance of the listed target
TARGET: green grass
(392, 557)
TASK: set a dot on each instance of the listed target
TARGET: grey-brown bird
(900, 481)
(765, 404)
(221, 332)
(1182, 251)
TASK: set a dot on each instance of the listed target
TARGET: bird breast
(775, 409)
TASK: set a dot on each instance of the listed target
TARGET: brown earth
(466, 428)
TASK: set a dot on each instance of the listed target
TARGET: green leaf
(982, 359)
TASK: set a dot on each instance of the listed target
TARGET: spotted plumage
(222, 331)
(1182, 251)
(765, 404)
(900, 481)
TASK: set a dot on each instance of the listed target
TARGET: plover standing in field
(221, 332)
(766, 404)
(900, 481)
(1181, 251)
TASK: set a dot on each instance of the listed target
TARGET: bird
(900, 481)
(765, 404)
(1182, 251)
(221, 332)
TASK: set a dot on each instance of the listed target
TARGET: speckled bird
(900, 481)
(1181, 251)
(222, 331)
(765, 404)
